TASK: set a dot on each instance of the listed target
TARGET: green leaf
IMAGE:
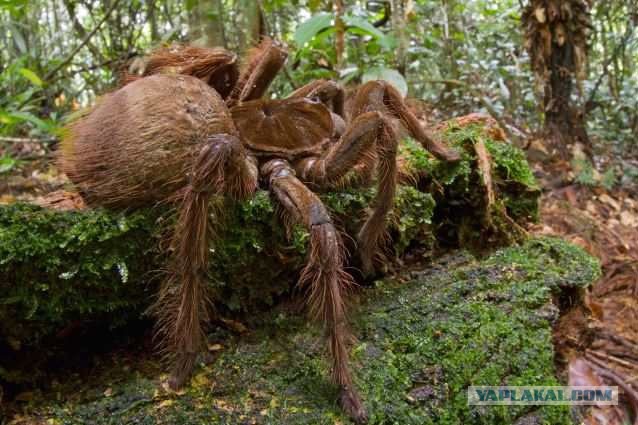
(308, 29)
(390, 75)
(7, 119)
(28, 117)
(362, 24)
(7, 164)
(21, 44)
(31, 76)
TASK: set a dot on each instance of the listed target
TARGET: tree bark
(206, 24)
(556, 38)
(251, 26)
(399, 27)
(340, 33)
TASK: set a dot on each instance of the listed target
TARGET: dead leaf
(235, 326)
(609, 201)
(25, 396)
(166, 403)
(214, 347)
(629, 219)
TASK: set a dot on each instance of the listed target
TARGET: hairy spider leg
(329, 92)
(183, 307)
(261, 66)
(370, 140)
(381, 96)
(216, 66)
(323, 277)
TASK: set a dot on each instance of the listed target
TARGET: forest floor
(598, 340)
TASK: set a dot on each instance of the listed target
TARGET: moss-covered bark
(424, 336)
(60, 268)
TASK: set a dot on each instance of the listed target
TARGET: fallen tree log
(423, 337)
(58, 268)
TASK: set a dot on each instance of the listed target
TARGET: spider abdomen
(138, 144)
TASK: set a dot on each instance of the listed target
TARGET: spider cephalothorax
(191, 127)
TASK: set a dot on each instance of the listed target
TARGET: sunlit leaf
(7, 119)
(390, 75)
(358, 22)
(7, 164)
(367, 28)
(31, 76)
(310, 28)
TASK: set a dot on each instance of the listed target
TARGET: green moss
(61, 267)
(420, 344)
(461, 214)
(55, 266)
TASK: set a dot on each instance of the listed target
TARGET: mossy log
(423, 337)
(58, 268)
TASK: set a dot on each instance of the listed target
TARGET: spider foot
(351, 404)
(184, 365)
(367, 266)
(371, 256)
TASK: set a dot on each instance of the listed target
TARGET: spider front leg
(329, 92)
(183, 305)
(370, 140)
(260, 69)
(323, 276)
(381, 96)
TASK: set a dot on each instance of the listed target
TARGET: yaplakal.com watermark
(540, 395)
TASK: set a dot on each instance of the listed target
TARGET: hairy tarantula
(193, 127)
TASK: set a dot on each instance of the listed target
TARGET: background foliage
(458, 56)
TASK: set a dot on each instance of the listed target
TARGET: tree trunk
(206, 24)
(564, 123)
(251, 23)
(340, 33)
(556, 38)
(399, 27)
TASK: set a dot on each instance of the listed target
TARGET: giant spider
(193, 126)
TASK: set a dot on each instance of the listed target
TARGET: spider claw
(367, 267)
(351, 405)
(184, 365)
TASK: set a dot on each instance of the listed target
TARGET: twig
(83, 43)
(610, 357)
(27, 140)
(118, 60)
(604, 372)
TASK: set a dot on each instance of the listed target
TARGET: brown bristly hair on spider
(265, 55)
(181, 319)
(215, 66)
(327, 286)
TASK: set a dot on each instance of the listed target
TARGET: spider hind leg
(183, 307)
